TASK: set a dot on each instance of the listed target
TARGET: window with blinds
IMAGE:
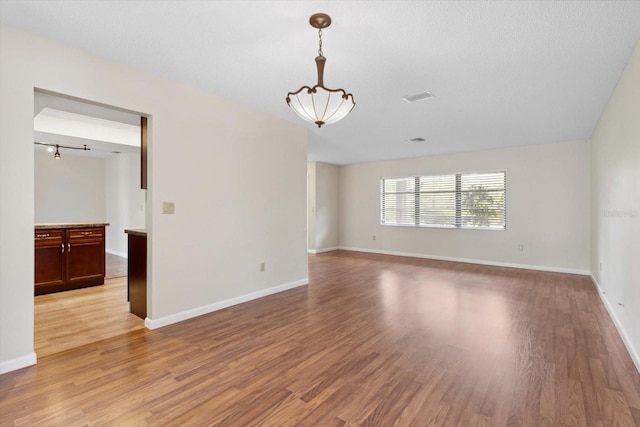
(463, 200)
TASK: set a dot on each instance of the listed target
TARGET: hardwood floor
(115, 266)
(373, 340)
(70, 319)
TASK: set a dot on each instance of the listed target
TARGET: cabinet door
(137, 275)
(85, 257)
(49, 259)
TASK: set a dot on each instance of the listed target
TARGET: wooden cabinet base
(137, 273)
(68, 258)
(44, 289)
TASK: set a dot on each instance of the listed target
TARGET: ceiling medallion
(319, 104)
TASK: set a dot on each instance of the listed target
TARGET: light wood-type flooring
(373, 340)
(115, 266)
(70, 319)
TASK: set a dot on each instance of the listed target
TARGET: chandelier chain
(320, 42)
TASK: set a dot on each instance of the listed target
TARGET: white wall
(86, 189)
(547, 209)
(70, 189)
(323, 206)
(236, 175)
(615, 205)
(311, 206)
(125, 201)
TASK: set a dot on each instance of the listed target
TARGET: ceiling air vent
(418, 139)
(409, 99)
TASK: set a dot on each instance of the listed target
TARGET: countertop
(138, 232)
(71, 225)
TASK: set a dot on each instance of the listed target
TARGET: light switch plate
(168, 208)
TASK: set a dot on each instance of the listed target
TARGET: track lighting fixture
(58, 147)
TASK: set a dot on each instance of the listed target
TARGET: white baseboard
(625, 339)
(323, 250)
(18, 363)
(473, 261)
(120, 254)
(199, 311)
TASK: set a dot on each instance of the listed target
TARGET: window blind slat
(473, 200)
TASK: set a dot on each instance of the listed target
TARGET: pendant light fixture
(319, 104)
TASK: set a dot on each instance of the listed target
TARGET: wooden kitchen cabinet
(50, 258)
(137, 272)
(69, 257)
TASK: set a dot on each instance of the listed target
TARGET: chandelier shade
(319, 104)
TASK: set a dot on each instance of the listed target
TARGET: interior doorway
(87, 161)
(115, 266)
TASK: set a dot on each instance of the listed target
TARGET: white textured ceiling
(502, 73)
(64, 121)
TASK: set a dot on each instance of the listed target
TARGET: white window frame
(411, 211)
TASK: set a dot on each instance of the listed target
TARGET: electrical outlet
(521, 247)
(262, 266)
